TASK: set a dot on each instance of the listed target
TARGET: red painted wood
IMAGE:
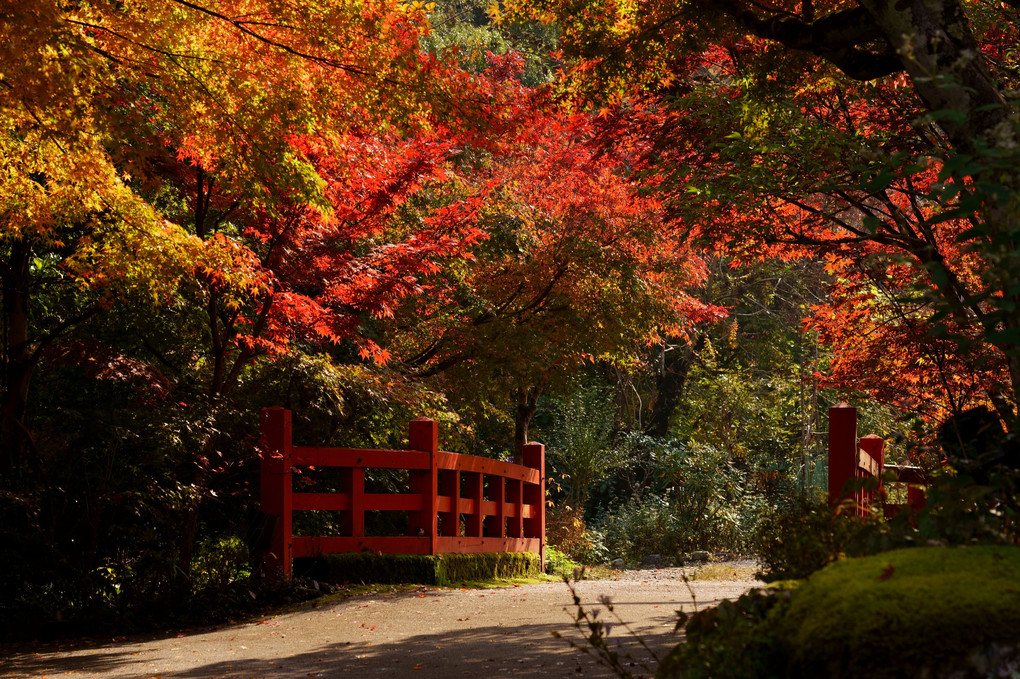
(352, 480)
(402, 544)
(359, 502)
(496, 524)
(325, 502)
(533, 456)
(916, 497)
(852, 458)
(471, 545)
(393, 502)
(842, 449)
(424, 436)
(867, 464)
(350, 457)
(473, 490)
(485, 465)
(873, 448)
(446, 504)
(276, 490)
(516, 499)
(515, 509)
(908, 474)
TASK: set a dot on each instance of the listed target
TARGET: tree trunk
(670, 384)
(18, 360)
(527, 406)
(938, 51)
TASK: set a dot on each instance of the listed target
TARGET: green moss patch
(441, 569)
(913, 608)
(923, 612)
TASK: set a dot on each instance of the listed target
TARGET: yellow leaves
(65, 193)
(142, 255)
(45, 185)
(416, 6)
(49, 75)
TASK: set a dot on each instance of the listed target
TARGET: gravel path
(437, 633)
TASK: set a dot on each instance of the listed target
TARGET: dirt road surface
(425, 634)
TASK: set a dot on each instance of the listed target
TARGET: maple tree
(881, 135)
(105, 106)
(228, 168)
(575, 266)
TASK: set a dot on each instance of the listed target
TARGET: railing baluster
(496, 527)
(475, 490)
(449, 486)
(515, 524)
(875, 447)
(352, 481)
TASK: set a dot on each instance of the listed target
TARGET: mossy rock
(440, 569)
(919, 612)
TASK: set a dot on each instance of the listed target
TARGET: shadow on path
(527, 651)
(467, 634)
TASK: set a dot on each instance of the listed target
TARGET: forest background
(660, 238)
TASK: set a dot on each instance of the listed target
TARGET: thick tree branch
(850, 40)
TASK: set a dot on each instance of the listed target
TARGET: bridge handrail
(443, 487)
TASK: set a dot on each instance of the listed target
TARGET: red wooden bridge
(864, 458)
(455, 503)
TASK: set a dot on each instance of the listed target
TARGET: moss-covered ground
(920, 608)
(922, 612)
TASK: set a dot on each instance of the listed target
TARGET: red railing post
(275, 490)
(424, 436)
(875, 447)
(842, 449)
(475, 489)
(534, 495)
(915, 497)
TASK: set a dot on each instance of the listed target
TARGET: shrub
(795, 540)
(580, 442)
(733, 640)
(564, 527)
(219, 563)
(566, 530)
(559, 563)
(643, 526)
(699, 500)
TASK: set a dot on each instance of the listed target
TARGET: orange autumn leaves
(756, 157)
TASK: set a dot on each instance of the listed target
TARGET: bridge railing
(455, 503)
(853, 458)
